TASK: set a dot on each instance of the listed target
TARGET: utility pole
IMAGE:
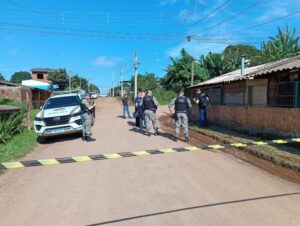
(192, 71)
(136, 65)
(113, 84)
(243, 66)
(122, 78)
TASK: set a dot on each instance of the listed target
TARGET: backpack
(203, 101)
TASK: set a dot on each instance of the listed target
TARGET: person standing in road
(138, 111)
(203, 102)
(150, 104)
(125, 102)
(179, 106)
(86, 115)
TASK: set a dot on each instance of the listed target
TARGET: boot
(156, 132)
(148, 134)
(186, 139)
(175, 138)
(89, 139)
(83, 138)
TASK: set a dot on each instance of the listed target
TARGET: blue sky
(94, 38)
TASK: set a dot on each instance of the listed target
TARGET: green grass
(18, 146)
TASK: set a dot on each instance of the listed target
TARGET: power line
(205, 16)
(236, 15)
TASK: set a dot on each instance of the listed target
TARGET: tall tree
(2, 77)
(284, 45)
(178, 73)
(18, 77)
(145, 81)
(94, 87)
(79, 82)
(59, 77)
(234, 53)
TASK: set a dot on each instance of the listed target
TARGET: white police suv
(60, 115)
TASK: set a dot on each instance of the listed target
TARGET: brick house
(37, 97)
(265, 99)
(41, 74)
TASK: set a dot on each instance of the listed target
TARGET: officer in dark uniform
(179, 106)
(86, 111)
(149, 104)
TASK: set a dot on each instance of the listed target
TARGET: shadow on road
(137, 130)
(58, 139)
(195, 207)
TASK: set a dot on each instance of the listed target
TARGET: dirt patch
(197, 139)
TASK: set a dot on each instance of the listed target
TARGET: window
(40, 76)
(259, 95)
(234, 93)
(59, 102)
(281, 94)
(214, 95)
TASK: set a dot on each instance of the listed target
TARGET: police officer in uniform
(86, 116)
(149, 104)
(181, 106)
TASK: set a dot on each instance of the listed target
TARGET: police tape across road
(57, 161)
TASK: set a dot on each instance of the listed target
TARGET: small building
(265, 99)
(21, 93)
(41, 74)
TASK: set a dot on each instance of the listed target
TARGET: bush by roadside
(15, 140)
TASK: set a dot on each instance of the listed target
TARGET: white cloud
(103, 61)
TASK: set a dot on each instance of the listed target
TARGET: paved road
(196, 188)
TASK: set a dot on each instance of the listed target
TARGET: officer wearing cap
(149, 104)
(86, 111)
(179, 106)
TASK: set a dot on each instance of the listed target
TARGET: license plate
(57, 130)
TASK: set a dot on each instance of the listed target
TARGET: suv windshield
(59, 102)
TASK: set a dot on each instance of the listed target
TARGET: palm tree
(283, 45)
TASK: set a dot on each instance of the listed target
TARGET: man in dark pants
(203, 101)
(86, 111)
(150, 104)
(181, 106)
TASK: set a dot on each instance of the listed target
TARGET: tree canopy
(178, 73)
(2, 77)
(18, 77)
(145, 81)
(59, 77)
(284, 45)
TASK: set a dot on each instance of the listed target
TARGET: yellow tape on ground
(82, 158)
(193, 148)
(239, 145)
(260, 143)
(13, 165)
(49, 162)
(113, 156)
(296, 139)
(279, 141)
(141, 153)
(167, 151)
(216, 146)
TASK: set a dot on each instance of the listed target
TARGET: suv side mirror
(41, 107)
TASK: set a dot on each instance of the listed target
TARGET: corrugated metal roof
(285, 64)
(8, 109)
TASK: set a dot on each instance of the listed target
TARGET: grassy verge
(18, 146)
(282, 155)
